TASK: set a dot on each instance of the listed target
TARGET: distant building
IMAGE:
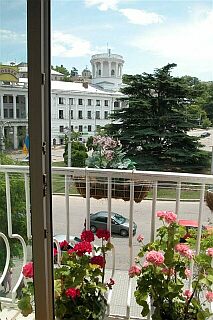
(90, 104)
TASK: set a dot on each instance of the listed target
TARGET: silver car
(119, 224)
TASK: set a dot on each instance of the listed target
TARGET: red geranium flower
(55, 252)
(99, 260)
(87, 235)
(103, 234)
(81, 248)
(28, 270)
(64, 245)
(72, 293)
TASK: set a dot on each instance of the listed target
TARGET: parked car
(205, 134)
(119, 224)
(191, 226)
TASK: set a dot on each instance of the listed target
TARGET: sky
(148, 34)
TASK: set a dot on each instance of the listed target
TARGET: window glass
(80, 102)
(61, 114)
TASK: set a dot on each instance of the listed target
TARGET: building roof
(76, 87)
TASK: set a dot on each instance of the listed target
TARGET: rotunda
(107, 70)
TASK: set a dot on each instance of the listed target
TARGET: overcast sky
(148, 34)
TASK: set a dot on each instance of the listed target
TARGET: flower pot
(120, 188)
(209, 199)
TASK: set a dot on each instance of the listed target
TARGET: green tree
(18, 212)
(62, 70)
(153, 128)
(78, 154)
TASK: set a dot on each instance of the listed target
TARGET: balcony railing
(121, 303)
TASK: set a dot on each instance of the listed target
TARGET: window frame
(39, 93)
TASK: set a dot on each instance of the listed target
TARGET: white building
(89, 105)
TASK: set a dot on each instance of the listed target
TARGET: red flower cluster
(103, 234)
(28, 270)
(64, 245)
(81, 248)
(99, 260)
(88, 236)
(72, 293)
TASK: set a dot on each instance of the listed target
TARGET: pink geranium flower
(184, 250)
(134, 271)
(168, 216)
(187, 293)
(155, 257)
(140, 238)
(209, 252)
(209, 296)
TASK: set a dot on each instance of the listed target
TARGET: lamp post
(69, 162)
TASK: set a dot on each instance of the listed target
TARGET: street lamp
(69, 162)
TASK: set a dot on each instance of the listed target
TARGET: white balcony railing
(178, 181)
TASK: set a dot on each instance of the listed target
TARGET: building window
(80, 114)
(89, 102)
(89, 128)
(112, 72)
(17, 99)
(80, 128)
(71, 101)
(98, 103)
(61, 100)
(5, 113)
(89, 114)
(99, 72)
(61, 129)
(71, 114)
(71, 128)
(116, 104)
(97, 114)
(10, 113)
(10, 99)
(80, 102)
(106, 103)
(61, 114)
(4, 99)
(105, 114)
(61, 141)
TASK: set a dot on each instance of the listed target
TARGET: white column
(102, 68)
(15, 137)
(14, 106)
(1, 107)
(26, 106)
(116, 69)
(110, 68)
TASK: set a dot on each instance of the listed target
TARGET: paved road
(142, 216)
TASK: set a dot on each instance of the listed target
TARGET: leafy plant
(79, 279)
(165, 270)
(108, 153)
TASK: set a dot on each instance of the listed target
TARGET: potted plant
(162, 268)
(108, 154)
(80, 287)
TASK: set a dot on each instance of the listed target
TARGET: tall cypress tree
(153, 128)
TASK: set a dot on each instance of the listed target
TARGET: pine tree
(153, 128)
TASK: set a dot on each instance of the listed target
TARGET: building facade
(76, 106)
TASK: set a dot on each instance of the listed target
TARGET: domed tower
(107, 70)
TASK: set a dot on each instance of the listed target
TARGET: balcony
(187, 199)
